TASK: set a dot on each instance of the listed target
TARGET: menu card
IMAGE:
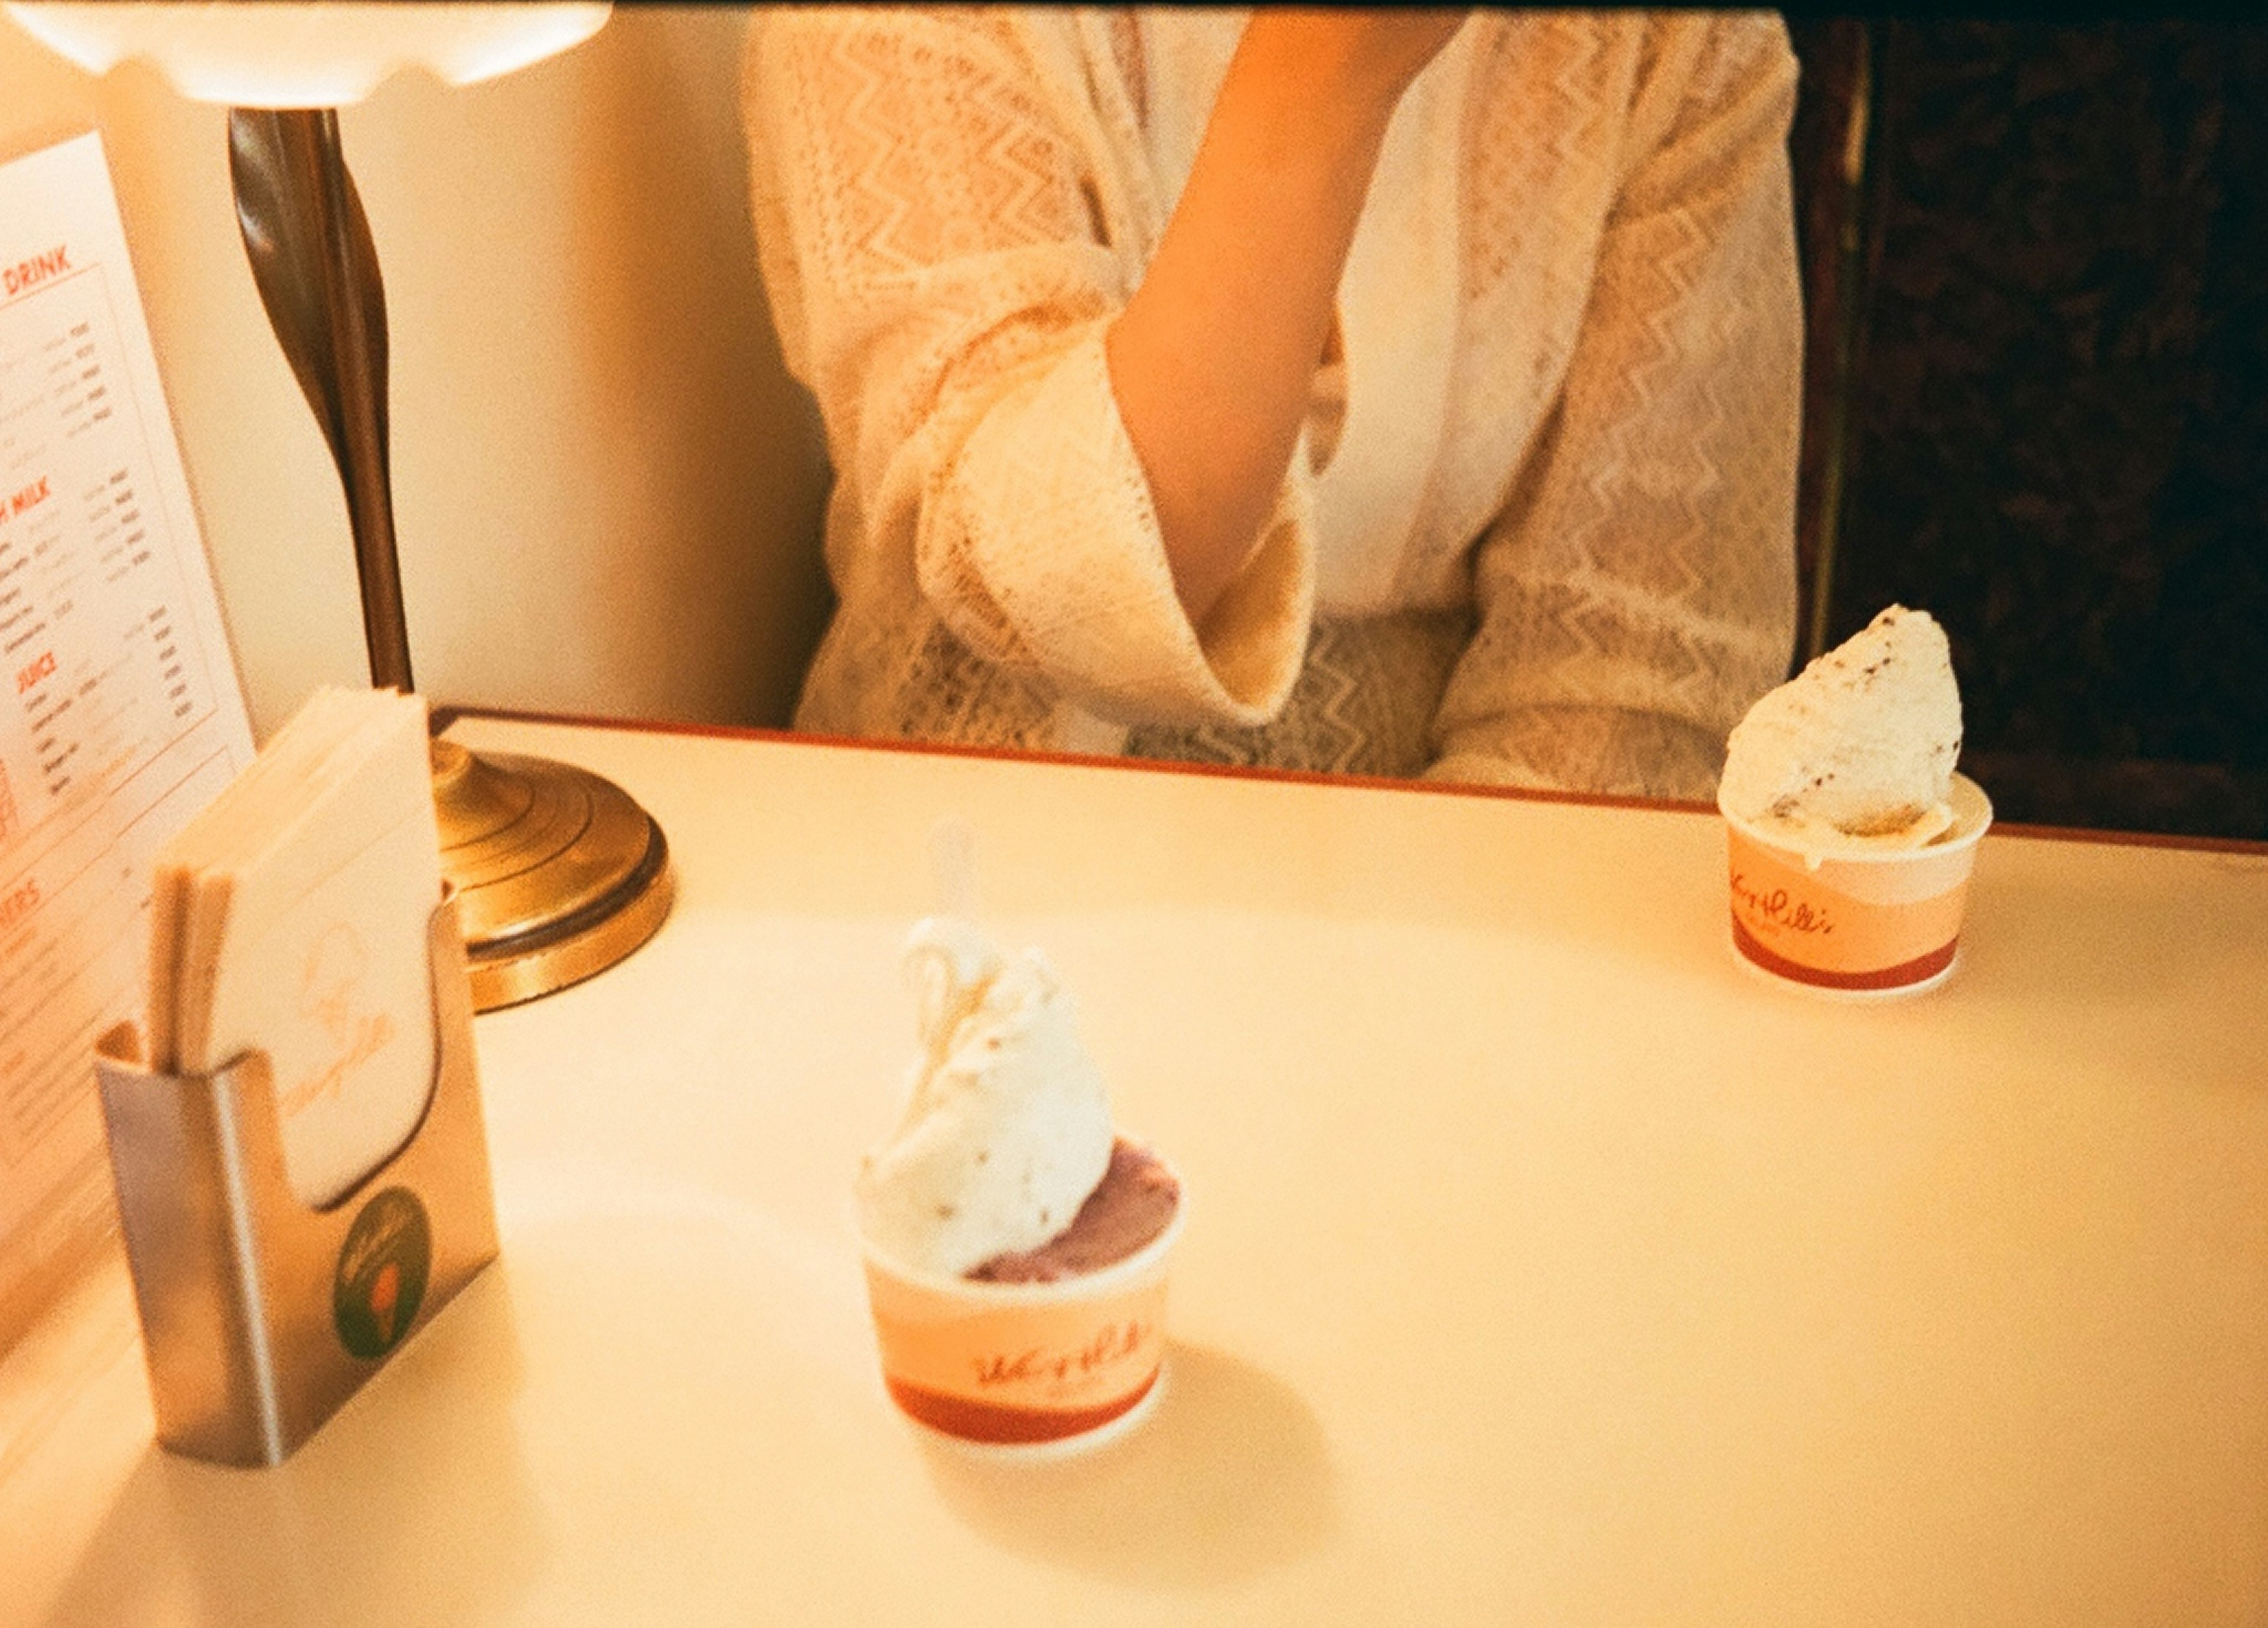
(120, 710)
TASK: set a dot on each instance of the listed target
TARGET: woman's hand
(1213, 357)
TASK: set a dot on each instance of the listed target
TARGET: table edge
(444, 716)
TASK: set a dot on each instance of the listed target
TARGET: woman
(1398, 392)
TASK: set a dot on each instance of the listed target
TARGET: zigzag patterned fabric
(1539, 529)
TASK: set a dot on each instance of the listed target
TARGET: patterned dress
(1538, 528)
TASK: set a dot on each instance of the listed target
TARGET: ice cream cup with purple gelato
(1850, 837)
(1064, 1362)
(1016, 1247)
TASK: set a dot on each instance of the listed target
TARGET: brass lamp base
(559, 873)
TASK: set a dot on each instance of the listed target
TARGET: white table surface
(1544, 1265)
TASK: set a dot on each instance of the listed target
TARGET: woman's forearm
(1213, 357)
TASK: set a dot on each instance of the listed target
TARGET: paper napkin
(289, 917)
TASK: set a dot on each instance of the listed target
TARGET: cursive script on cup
(1112, 1343)
(1775, 907)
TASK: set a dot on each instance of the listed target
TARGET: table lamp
(558, 873)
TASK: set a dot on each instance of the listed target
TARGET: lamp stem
(558, 873)
(357, 307)
(317, 269)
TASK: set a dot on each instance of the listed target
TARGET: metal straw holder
(260, 1316)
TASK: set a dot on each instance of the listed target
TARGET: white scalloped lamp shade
(265, 54)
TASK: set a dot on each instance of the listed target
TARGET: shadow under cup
(1862, 922)
(1058, 1367)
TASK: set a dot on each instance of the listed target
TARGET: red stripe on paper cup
(1921, 969)
(1005, 1426)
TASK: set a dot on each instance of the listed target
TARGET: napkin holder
(260, 1316)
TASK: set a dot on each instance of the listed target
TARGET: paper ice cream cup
(1860, 921)
(1025, 1368)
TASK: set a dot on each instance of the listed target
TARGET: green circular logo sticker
(380, 1280)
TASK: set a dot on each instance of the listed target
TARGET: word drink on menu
(120, 710)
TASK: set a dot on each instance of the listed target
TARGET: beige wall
(608, 491)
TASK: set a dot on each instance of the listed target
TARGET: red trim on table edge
(443, 716)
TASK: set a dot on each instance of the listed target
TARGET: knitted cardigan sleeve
(1637, 591)
(931, 211)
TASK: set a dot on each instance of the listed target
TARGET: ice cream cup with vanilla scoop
(1016, 1247)
(1849, 834)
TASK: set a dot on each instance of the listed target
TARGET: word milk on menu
(120, 710)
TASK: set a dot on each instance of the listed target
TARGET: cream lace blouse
(1538, 530)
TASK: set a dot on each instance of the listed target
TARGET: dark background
(2036, 269)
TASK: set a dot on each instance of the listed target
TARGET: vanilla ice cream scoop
(1859, 745)
(1007, 1126)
